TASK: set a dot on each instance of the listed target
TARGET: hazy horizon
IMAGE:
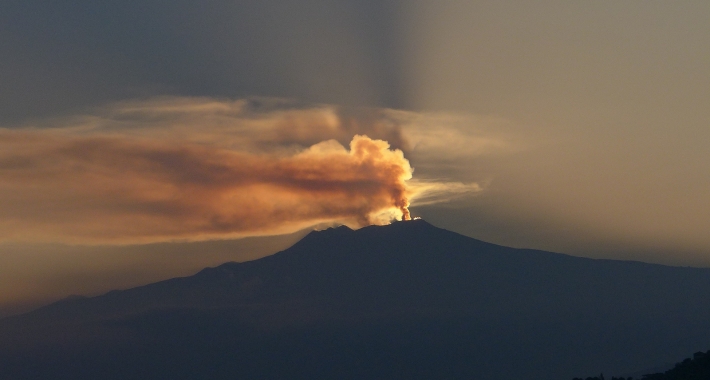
(128, 131)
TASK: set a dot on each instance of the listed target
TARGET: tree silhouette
(695, 368)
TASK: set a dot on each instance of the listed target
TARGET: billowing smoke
(194, 169)
(121, 189)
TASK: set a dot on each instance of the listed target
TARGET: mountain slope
(407, 300)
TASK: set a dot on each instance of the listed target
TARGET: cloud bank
(195, 169)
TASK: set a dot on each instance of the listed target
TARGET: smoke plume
(198, 168)
(122, 189)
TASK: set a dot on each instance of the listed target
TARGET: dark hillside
(403, 301)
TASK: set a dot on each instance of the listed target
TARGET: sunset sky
(141, 140)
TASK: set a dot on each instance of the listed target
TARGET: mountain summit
(402, 301)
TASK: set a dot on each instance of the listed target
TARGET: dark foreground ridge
(403, 301)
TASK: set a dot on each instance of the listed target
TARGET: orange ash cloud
(97, 188)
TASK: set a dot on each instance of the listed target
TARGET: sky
(141, 140)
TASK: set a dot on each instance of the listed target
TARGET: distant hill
(403, 301)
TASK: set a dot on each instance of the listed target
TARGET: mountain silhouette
(403, 301)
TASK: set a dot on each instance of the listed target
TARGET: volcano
(402, 301)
